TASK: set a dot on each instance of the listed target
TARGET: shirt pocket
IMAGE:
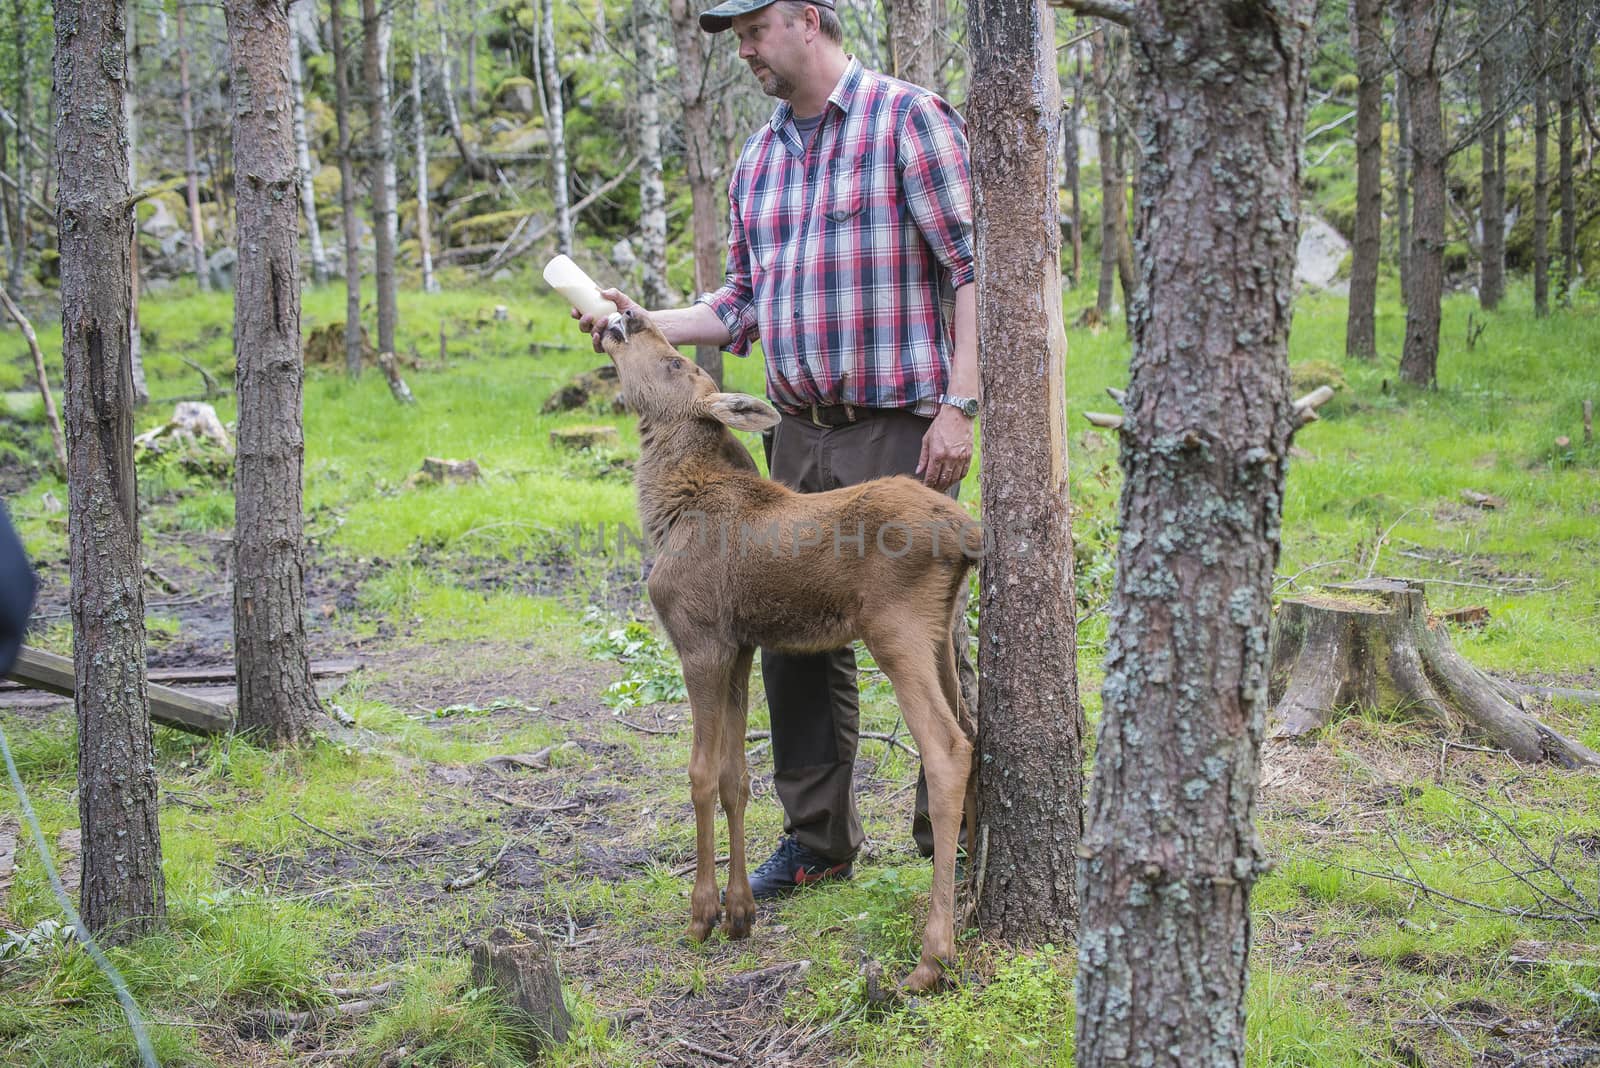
(849, 186)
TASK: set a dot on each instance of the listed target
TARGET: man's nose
(746, 50)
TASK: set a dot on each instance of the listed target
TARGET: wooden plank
(40, 670)
(216, 674)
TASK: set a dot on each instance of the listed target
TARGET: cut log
(1371, 644)
(585, 437)
(521, 969)
(39, 670)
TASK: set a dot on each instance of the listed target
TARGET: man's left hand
(946, 449)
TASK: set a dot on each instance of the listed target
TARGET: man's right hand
(595, 325)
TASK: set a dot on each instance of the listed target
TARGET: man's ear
(739, 411)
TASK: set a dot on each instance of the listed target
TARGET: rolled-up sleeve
(734, 301)
(937, 179)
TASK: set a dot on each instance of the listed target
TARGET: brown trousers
(813, 699)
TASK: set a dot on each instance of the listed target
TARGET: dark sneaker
(791, 867)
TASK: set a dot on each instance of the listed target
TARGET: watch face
(969, 407)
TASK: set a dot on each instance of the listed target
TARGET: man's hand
(946, 449)
(593, 325)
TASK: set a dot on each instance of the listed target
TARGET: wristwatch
(967, 406)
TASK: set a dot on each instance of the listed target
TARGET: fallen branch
(346, 842)
(478, 874)
(507, 252)
(1305, 409)
(50, 413)
(875, 736)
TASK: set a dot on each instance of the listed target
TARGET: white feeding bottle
(568, 279)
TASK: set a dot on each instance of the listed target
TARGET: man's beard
(773, 84)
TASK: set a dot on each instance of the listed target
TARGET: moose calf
(743, 562)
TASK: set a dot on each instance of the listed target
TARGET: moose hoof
(928, 977)
(700, 930)
(737, 923)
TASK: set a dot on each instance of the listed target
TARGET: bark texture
(1170, 852)
(700, 161)
(276, 698)
(121, 886)
(914, 41)
(1030, 732)
(1113, 195)
(19, 247)
(1366, 27)
(652, 187)
(197, 237)
(419, 130)
(1402, 185)
(347, 196)
(1419, 66)
(1492, 269)
(374, 31)
(1371, 644)
(1566, 108)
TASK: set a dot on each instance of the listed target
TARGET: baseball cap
(720, 17)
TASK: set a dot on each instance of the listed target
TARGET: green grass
(1346, 962)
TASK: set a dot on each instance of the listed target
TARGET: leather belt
(828, 416)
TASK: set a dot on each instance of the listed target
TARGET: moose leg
(706, 679)
(739, 908)
(947, 760)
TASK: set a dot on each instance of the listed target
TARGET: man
(849, 257)
(16, 593)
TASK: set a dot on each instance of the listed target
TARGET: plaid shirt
(844, 258)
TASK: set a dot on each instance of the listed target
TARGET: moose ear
(739, 411)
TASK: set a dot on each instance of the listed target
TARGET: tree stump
(1371, 644)
(522, 972)
(585, 437)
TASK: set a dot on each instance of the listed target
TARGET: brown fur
(723, 586)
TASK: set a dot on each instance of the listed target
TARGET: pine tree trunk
(197, 238)
(430, 284)
(122, 891)
(1566, 103)
(374, 72)
(1069, 142)
(1170, 853)
(1541, 164)
(555, 125)
(708, 205)
(1366, 27)
(1419, 67)
(1030, 735)
(652, 188)
(1491, 277)
(130, 118)
(914, 42)
(1402, 184)
(347, 195)
(1111, 194)
(276, 699)
(302, 152)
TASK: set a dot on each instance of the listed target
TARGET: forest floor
(1431, 903)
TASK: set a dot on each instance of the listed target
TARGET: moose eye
(675, 365)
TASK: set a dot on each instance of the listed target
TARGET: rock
(502, 275)
(220, 267)
(191, 420)
(161, 217)
(436, 471)
(502, 314)
(1307, 375)
(598, 389)
(522, 972)
(1320, 252)
(515, 95)
(585, 437)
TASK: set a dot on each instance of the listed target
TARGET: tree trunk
(652, 188)
(1069, 142)
(373, 34)
(1366, 27)
(1541, 164)
(708, 205)
(1369, 644)
(1170, 853)
(1492, 272)
(430, 284)
(276, 698)
(1030, 740)
(130, 118)
(123, 895)
(1112, 199)
(472, 56)
(197, 237)
(1566, 103)
(914, 42)
(555, 125)
(469, 159)
(8, 210)
(1402, 184)
(347, 195)
(19, 243)
(1419, 67)
(302, 151)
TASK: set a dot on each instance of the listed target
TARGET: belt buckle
(816, 419)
